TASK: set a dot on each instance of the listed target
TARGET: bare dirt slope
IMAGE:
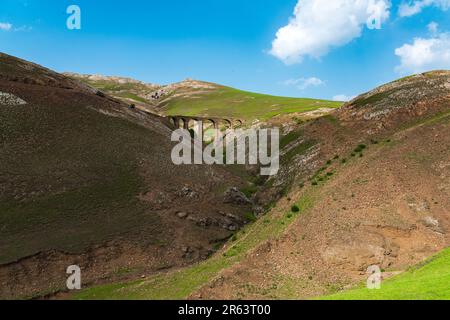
(85, 180)
(385, 202)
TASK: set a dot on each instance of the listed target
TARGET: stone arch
(209, 124)
(212, 122)
(185, 123)
(238, 123)
(173, 122)
(227, 124)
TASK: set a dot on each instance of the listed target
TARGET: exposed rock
(187, 192)
(258, 211)
(120, 80)
(8, 99)
(419, 207)
(234, 196)
(432, 223)
(399, 100)
(182, 214)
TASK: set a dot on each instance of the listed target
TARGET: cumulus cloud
(343, 97)
(410, 8)
(5, 26)
(425, 54)
(304, 83)
(319, 25)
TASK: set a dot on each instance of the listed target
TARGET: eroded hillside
(361, 186)
(86, 180)
(381, 199)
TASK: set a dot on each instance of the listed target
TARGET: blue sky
(255, 45)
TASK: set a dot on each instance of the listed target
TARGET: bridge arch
(238, 123)
(203, 125)
(174, 122)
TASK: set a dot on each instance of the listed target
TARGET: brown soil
(85, 180)
(388, 208)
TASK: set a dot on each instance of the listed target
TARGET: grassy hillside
(427, 281)
(345, 182)
(229, 102)
(127, 89)
(84, 178)
(180, 284)
(197, 98)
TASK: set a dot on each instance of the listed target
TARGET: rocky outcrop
(234, 196)
(398, 101)
(8, 99)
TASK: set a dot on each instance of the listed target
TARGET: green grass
(120, 90)
(229, 102)
(290, 137)
(132, 96)
(179, 284)
(221, 101)
(427, 281)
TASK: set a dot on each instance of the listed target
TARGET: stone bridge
(189, 122)
(202, 124)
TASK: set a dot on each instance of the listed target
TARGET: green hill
(230, 102)
(198, 98)
(428, 281)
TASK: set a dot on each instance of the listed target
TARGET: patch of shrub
(249, 191)
(344, 160)
(295, 209)
(360, 148)
(314, 183)
(330, 174)
(250, 217)
(260, 180)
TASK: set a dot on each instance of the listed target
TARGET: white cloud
(410, 8)
(433, 27)
(425, 54)
(304, 83)
(5, 26)
(319, 25)
(343, 97)
(24, 28)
